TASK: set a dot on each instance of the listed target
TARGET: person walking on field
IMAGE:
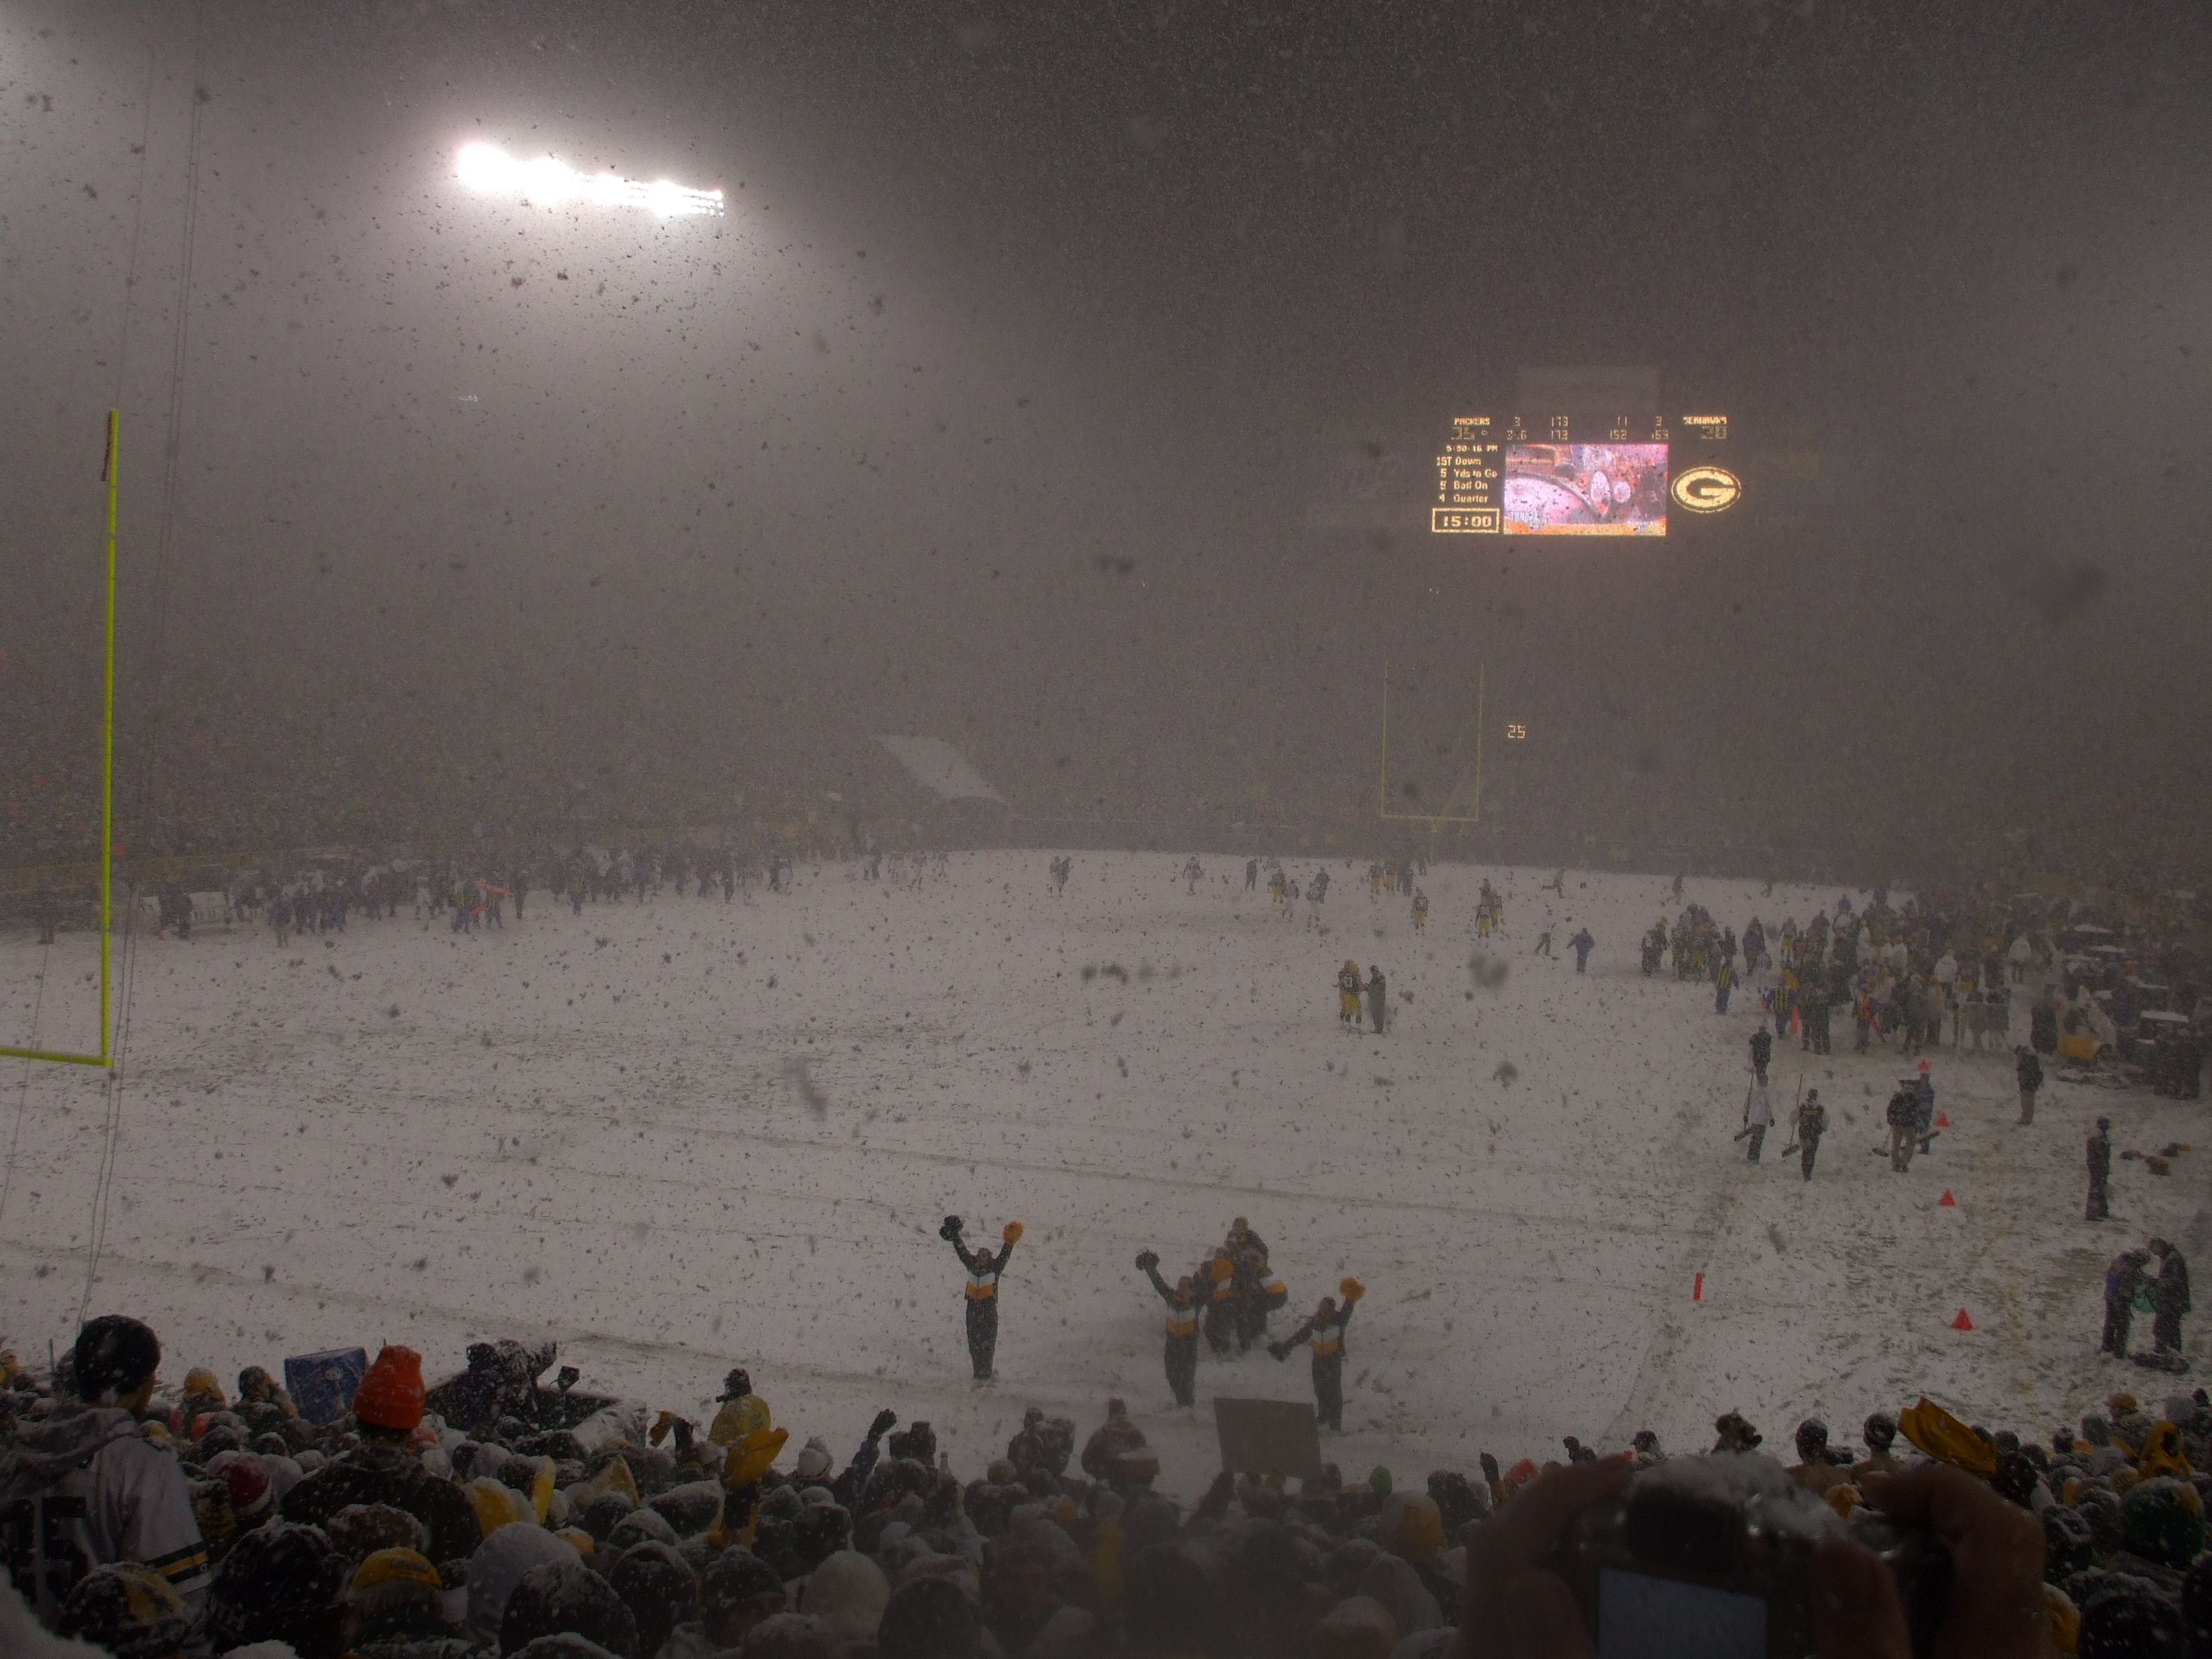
(1758, 1114)
(2028, 1071)
(1762, 1052)
(983, 1273)
(1812, 1124)
(2101, 1170)
(1378, 997)
(1903, 1118)
(1723, 982)
(1582, 944)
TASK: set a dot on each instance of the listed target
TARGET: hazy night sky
(997, 407)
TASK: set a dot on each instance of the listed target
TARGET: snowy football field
(692, 1135)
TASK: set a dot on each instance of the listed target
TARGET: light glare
(548, 182)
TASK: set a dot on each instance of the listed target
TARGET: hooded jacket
(97, 1493)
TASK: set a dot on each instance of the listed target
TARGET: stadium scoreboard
(1578, 475)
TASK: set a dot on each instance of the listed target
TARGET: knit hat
(113, 1355)
(690, 1507)
(813, 1459)
(129, 1609)
(658, 1588)
(390, 1392)
(496, 1504)
(247, 1475)
(200, 1380)
(736, 1577)
(639, 1527)
(926, 1617)
(568, 1596)
(565, 1645)
(397, 1581)
(276, 1579)
(2165, 1521)
(846, 1593)
(2123, 1616)
(1411, 1526)
(498, 1566)
(361, 1530)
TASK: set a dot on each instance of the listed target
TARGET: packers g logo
(1706, 489)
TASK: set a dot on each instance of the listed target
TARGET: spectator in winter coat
(1812, 1124)
(1813, 1472)
(2028, 1070)
(387, 1408)
(91, 1491)
(1109, 1442)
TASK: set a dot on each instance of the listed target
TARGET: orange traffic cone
(1943, 1119)
(1962, 1324)
(1946, 1202)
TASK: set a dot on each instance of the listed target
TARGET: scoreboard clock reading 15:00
(1563, 475)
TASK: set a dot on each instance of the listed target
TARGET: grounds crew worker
(983, 1270)
(1181, 1353)
(1325, 1332)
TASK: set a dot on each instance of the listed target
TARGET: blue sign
(322, 1384)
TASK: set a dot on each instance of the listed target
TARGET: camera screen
(1640, 1617)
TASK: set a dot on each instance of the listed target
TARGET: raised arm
(1151, 1264)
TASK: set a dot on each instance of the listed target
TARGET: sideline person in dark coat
(2101, 1168)
(2028, 1071)
(2169, 1298)
(2123, 1274)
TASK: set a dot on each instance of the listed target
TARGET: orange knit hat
(390, 1394)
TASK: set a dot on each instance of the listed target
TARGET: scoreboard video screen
(1562, 475)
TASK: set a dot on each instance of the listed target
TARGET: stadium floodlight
(548, 182)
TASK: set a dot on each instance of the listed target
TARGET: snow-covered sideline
(691, 1134)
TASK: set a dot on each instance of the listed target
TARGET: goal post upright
(103, 1058)
(107, 739)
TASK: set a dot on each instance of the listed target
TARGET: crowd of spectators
(170, 1523)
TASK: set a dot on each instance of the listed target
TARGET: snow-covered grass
(600, 1126)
